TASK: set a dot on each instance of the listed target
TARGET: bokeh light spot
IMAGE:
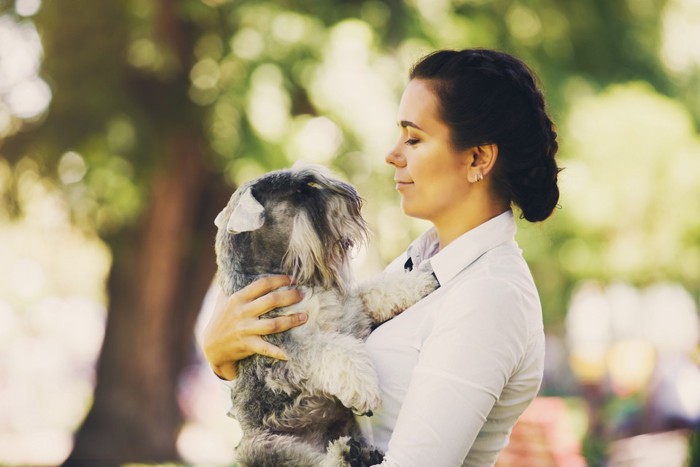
(27, 7)
(71, 168)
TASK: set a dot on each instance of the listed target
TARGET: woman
(459, 367)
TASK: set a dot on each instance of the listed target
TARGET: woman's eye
(412, 141)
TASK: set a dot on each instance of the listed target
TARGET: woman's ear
(481, 161)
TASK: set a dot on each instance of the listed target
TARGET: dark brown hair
(489, 97)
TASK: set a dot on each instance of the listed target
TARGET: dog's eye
(346, 243)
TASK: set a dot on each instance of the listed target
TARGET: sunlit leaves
(320, 81)
(23, 94)
(268, 103)
(316, 139)
(630, 187)
(524, 24)
(101, 192)
(681, 34)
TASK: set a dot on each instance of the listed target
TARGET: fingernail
(282, 357)
(303, 317)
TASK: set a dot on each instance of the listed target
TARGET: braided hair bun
(489, 97)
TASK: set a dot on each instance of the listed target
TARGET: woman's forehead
(419, 107)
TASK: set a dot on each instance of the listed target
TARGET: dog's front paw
(353, 453)
(347, 451)
(348, 374)
(365, 401)
(361, 395)
(423, 279)
(336, 453)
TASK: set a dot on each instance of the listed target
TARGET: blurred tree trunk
(162, 265)
(161, 270)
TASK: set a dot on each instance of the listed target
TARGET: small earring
(478, 177)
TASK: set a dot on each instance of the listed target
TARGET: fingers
(226, 371)
(264, 295)
(280, 324)
(263, 286)
(263, 347)
(234, 331)
(272, 300)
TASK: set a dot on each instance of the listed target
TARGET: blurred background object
(126, 124)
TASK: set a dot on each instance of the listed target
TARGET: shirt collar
(464, 250)
(424, 247)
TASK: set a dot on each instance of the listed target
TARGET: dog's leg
(337, 365)
(336, 453)
(263, 449)
(389, 294)
(347, 451)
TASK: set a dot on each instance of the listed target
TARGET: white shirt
(458, 368)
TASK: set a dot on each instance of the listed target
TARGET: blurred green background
(126, 124)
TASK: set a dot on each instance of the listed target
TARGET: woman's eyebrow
(405, 123)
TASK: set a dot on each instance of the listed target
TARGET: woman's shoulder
(474, 291)
(498, 296)
(502, 267)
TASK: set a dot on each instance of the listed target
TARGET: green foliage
(632, 155)
(268, 83)
(694, 449)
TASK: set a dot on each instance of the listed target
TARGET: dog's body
(303, 223)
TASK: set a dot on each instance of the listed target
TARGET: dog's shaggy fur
(303, 222)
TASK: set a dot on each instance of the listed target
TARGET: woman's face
(430, 174)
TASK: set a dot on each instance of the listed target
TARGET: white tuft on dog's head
(248, 214)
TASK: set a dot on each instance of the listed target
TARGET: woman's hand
(234, 330)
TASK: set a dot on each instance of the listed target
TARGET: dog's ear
(322, 237)
(219, 221)
(306, 256)
(351, 228)
(344, 206)
(247, 214)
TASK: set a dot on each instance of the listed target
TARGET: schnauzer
(304, 222)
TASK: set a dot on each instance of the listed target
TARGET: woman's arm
(234, 331)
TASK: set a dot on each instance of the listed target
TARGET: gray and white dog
(303, 222)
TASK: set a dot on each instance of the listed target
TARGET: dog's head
(302, 222)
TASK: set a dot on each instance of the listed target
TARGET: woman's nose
(394, 157)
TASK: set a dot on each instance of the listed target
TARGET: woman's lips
(402, 184)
